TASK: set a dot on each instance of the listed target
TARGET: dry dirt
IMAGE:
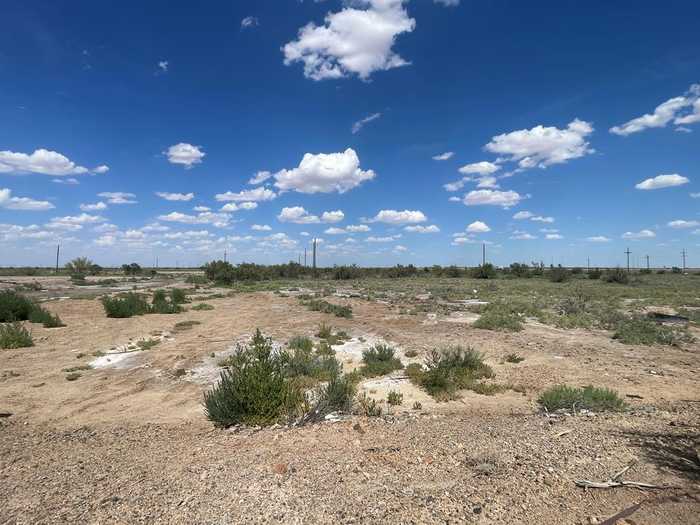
(127, 442)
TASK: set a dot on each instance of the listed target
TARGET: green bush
(49, 320)
(14, 335)
(161, 305)
(303, 362)
(595, 274)
(379, 361)
(590, 398)
(254, 389)
(484, 271)
(319, 305)
(557, 274)
(616, 275)
(301, 342)
(178, 296)
(125, 305)
(335, 396)
(499, 317)
(450, 369)
(14, 307)
(368, 406)
(638, 331)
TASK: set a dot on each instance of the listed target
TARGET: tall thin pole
(58, 250)
(588, 264)
(314, 256)
(483, 254)
(683, 254)
(628, 259)
(648, 267)
(304, 257)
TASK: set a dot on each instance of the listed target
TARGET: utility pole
(648, 267)
(225, 255)
(483, 254)
(628, 259)
(58, 250)
(314, 256)
(684, 255)
(304, 257)
(588, 265)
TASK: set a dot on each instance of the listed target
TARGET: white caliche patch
(681, 111)
(642, 234)
(506, 199)
(682, 224)
(478, 227)
(118, 197)
(422, 229)
(399, 217)
(9, 202)
(543, 146)
(357, 126)
(353, 41)
(185, 197)
(662, 181)
(97, 206)
(324, 173)
(444, 156)
(185, 154)
(43, 162)
(255, 195)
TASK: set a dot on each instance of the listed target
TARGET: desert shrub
(590, 398)
(197, 279)
(202, 307)
(254, 389)
(125, 305)
(379, 360)
(484, 271)
(335, 396)
(178, 296)
(147, 344)
(520, 270)
(72, 376)
(303, 362)
(616, 275)
(301, 342)
(450, 369)
(131, 269)
(161, 305)
(572, 305)
(638, 331)
(319, 305)
(14, 307)
(595, 274)
(324, 331)
(342, 273)
(49, 320)
(394, 398)
(514, 358)
(557, 274)
(368, 406)
(15, 335)
(220, 272)
(498, 317)
(185, 325)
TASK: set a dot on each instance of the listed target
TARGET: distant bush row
(130, 304)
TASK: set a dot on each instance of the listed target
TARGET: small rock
(358, 428)
(477, 509)
(280, 468)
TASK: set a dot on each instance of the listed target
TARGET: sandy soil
(127, 442)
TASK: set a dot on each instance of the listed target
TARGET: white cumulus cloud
(118, 197)
(479, 168)
(422, 229)
(175, 196)
(662, 181)
(324, 173)
(544, 146)
(255, 195)
(259, 178)
(681, 224)
(478, 227)
(399, 217)
(642, 234)
(97, 206)
(444, 156)
(357, 126)
(356, 40)
(43, 162)
(506, 199)
(9, 202)
(185, 154)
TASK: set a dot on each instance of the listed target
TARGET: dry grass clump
(15, 335)
(590, 398)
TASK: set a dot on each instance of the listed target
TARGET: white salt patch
(119, 360)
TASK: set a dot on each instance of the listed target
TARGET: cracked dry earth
(128, 442)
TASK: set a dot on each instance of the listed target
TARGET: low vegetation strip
(130, 304)
(319, 305)
(563, 397)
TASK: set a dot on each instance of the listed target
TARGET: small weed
(15, 335)
(319, 305)
(368, 406)
(185, 325)
(73, 376)
(301, 342)
(179, 372)
(590, 398)
(77, 368)
(514, 358)
(147, 344)
(394, 398)
(202, 307)
(411, 353)
(417, 406)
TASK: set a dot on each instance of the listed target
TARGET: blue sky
(395, 131)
